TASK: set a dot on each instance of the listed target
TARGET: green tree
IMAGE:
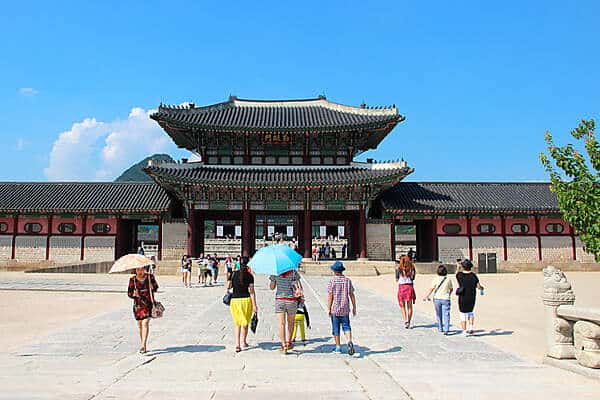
(576, 182)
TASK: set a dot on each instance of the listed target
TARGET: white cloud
(27, 91)
(21, 143)
(95, 150)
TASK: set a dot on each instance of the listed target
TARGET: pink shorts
(406, 293)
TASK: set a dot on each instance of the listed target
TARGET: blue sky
(478, 83)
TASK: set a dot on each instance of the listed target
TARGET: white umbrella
(130, 261)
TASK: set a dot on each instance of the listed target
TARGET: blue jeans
(336, 321)
(442, 311)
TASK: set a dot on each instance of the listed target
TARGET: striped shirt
(285, 285)
(341, 288)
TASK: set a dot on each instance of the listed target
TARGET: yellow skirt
(241, 311)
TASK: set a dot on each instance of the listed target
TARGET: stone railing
(571, 332)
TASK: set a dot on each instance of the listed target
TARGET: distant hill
(135, 173)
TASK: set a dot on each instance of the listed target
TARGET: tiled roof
(465, 197)
(281, 115)
(82, 197)
(279, 176)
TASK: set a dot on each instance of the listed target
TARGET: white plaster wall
(5, 247)
(522, 249)
(379, 242)
(452, 247)
(99, 248)
(557, 248)
(65, 248)
(30, 248)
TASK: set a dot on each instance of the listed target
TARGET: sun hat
(466, 263)
(338, 266)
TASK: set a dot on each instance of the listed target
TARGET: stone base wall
(379, 242)
(452, 247)
(99, 248)
(30, 248)
(65, 248)
(522, 249)
(557, 249)
(582, 256)
(5, 247)
(174, 239)
(487, 244)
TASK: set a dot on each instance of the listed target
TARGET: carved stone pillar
(559, 331)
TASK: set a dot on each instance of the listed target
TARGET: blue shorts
(336, 321)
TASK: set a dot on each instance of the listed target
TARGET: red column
(393, 237)
(48, 237)
(14, 241)
(307, 237)
(503, 231)
(83, 229)
(469, 238)
(573, 242)
(362, 232)
(160, 238)
(434, 239)
(539, 237)
(191, 233)
(247, 233)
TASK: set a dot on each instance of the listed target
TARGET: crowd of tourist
(290, 303)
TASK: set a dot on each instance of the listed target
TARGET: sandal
(284, 349)
(143, 350)
(290, 345)
(238, 349)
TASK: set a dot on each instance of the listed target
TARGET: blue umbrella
(275, 260)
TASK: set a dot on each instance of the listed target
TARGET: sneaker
(350, 348)
(337, 350)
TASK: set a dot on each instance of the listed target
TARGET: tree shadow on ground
(195, 348)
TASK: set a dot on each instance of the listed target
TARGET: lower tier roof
(82, 197)
(279, 176)
(469, 197)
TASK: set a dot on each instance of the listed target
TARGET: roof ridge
(77, 183)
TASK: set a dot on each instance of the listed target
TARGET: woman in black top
(468, 283)
(243, 302)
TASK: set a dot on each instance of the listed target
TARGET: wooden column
(247, 235)
(160, 241)
(307, 236)
(48, 237)
(362, 232)
(539, 237)
(469, 237)
(83, 230)
(14, 241)
(393, 237)
(434, 239)
(503, 231)
(191, 233)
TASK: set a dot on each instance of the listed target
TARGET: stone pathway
(192, 356)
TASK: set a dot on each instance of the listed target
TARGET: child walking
(340, 295)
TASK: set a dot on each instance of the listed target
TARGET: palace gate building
(285, 171)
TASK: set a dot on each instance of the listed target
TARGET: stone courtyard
(192, 355)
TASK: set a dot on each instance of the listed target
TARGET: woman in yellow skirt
(243, 303)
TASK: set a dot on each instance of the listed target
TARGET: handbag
(157, 308)
(460, 291)
(254, 323)
(227, 298)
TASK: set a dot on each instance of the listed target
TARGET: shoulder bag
(157, 308)
(439, 286)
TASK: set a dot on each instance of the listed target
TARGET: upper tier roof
(279, 176)
(237, 115)
(470, 197)
(83, 197)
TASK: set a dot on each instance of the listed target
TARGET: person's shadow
(192, 348)
(360, 351)
(493, 332)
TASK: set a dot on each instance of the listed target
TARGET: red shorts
(406, 293)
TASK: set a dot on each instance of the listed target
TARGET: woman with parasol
(142, 286)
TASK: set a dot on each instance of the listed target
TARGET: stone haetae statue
(559, 331)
